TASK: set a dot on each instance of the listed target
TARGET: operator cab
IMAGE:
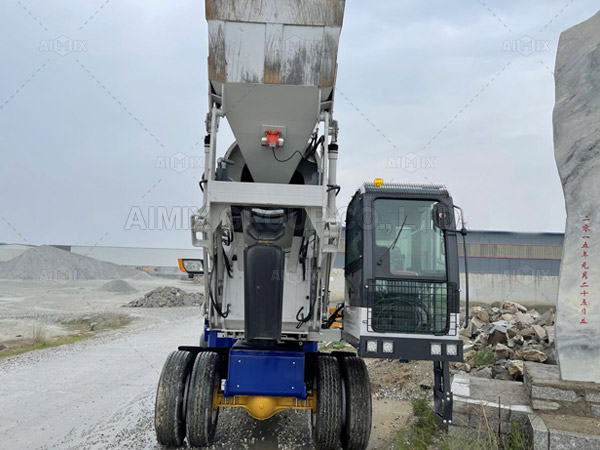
(401, 273)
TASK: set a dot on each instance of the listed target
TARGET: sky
(99, 98)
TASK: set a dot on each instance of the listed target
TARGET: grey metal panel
(250, 107)
(265, 194)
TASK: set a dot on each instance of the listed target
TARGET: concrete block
(483, 404)
(539, 432)
(593, 397)
(561, 440)
(537, 372)
(596, 410)
(544, 405)
(571, 432)
(550, 393)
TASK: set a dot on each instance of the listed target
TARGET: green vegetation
(81, 328)
(483, 357)
(109, 321)
(425, 434)
(37, 344)
(516, 439)
(422, 433)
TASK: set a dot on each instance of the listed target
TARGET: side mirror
(442, 216)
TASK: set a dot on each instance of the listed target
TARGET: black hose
(212, 300)
(463, 233)
(334, 316)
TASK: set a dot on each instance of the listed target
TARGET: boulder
(500, 371)
(516, 306)
(534, 355)
(484, 372)
(539, 332)
(515, 368)
(502, 352)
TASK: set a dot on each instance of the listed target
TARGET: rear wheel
(357, 389)
(169, 410)
(327, 420)
(201, 419)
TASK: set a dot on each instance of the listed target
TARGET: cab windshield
(416, 245)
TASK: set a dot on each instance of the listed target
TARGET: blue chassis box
(266, 372)
(263, 371)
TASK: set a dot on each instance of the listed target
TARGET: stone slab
(544, 405)
(574, 398)
(550, 393)
(577, 154)
(572, 433)
(539, 432)
(481, 403)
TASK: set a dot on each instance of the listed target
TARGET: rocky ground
(167, 297)
(501, 336)
(105, 387)
(49, 310)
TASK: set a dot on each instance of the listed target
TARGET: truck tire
(357, 388)
(169, 410)
(327, 420)
(201, 419)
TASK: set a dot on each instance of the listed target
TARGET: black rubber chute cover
(263, 292)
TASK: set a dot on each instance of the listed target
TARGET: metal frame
(443, 399)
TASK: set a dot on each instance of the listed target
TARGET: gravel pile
(500, 337)
(52, 264)
(118, 287)
(167, 297)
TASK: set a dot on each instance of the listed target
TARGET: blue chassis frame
(268, 371)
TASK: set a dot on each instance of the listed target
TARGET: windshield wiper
(393, 243)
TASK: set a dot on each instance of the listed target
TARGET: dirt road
(99, 394)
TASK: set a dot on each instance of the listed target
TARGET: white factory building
(520, 267)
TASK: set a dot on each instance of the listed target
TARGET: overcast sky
(460, 90)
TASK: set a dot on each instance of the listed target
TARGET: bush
(483, 357)
(421, 434)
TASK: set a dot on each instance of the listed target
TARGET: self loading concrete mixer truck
(270, 231)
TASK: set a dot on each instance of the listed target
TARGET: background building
(505, 266)
(519, 267)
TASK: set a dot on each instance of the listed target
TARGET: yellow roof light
(378, 182)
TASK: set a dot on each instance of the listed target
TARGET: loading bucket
(272, 66)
